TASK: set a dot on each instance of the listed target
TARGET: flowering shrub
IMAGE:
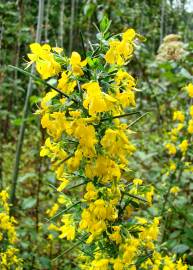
(8, 237)
(89, 145)
(179, 168)
(172, 48)
(180, 138)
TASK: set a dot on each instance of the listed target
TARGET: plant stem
(71, 248)
(119, 116)
(139, 118)
(65, 210)
(43, 82)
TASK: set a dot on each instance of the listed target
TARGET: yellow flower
(104, 168)
(137, 181)
(50, 237)
(171, 148)
(47, 98)
(189, 89)
(45, 62)
(116, 143)
(68, 229)
(183, 146)
(149, 195)
(39, 52)
(75, 61)
(128, 211)
(65, 84)
(86, 137)
(51, 212)
(116, 236)
(100, 264)
(129, 35)
(130, 250)
(190, 126)
(178, 115)
(181, 266)
(52, 227)
(191, 110)
(91, 193)
(172, 166)
(118, 265)
(94, 100)
(120, 51)
(63, 184)
(57, 49)
(62, 199)
(174, 189)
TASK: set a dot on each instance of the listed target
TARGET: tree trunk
(61, 25)
(162, 21)
(47, 21)
(71, 36)
(25, 112)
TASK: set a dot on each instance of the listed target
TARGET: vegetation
(96, 135)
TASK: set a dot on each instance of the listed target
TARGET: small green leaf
(28, 203)
(181, 248)
(104, 23)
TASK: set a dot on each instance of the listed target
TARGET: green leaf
(25, 177)
(104, 23)
(28, 203)
(16, 122)
(44, 261)
(181, 248)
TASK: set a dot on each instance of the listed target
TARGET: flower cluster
(89, 145)
(172, 48)
(180, 138)
(8, 237)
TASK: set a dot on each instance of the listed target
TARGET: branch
(42, 81)
(138, 119)
(119, 116)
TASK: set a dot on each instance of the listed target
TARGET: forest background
(160, 80)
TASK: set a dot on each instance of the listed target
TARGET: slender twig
(64, 210)
(43, 82)
(135, 197)
(119, 116)
(78, 185)
(82, 42)
(55, 188)
(139, 118)
(67, 158)
(71, 248)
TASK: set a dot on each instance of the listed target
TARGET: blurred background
(162, 64)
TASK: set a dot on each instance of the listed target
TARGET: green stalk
(138, 119)
(65, 210)
(71, 248)
(31, 75)
(121, 115)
